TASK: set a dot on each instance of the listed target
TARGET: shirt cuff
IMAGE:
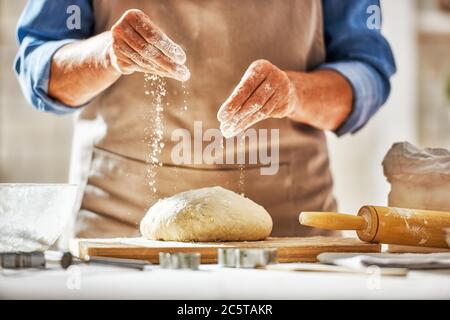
(41, 74)
(367, 92)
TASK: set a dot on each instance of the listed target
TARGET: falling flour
(181, 111)
(242, 179)
(185, 96)
(155, 86)
(241, 186)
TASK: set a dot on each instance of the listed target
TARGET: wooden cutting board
(289, 249)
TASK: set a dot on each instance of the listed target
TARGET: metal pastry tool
(66, 259)
(118, 262)
(246, 258)
(227, 257)
(19, 260)
(180, 260)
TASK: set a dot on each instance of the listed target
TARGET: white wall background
(34, 146)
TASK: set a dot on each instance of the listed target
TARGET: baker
(136, 71)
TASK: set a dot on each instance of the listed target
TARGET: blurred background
(35, 147)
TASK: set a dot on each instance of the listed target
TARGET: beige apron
(221, 39)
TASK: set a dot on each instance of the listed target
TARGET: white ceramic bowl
(33, 216)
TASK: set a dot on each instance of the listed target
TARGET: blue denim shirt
(359, 53)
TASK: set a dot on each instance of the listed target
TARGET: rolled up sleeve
(360, 54)
(41, 31)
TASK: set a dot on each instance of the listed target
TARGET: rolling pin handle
(332, 221)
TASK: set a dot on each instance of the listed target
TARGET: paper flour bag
(419, 178)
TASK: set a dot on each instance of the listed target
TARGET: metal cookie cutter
(179, 260)
(246, 258)
(18, 260)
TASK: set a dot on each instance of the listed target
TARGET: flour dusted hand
(263, 92)
(138, 45)
(207, 214)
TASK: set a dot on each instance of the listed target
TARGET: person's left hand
(263, 92)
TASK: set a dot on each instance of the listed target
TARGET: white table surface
(99, 282)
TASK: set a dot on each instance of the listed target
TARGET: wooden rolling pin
(387, 225)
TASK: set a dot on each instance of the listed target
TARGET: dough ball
(207, 214)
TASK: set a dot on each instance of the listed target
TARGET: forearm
(81, 70)
(325, 98)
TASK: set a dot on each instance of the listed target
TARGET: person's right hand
(138, 45)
